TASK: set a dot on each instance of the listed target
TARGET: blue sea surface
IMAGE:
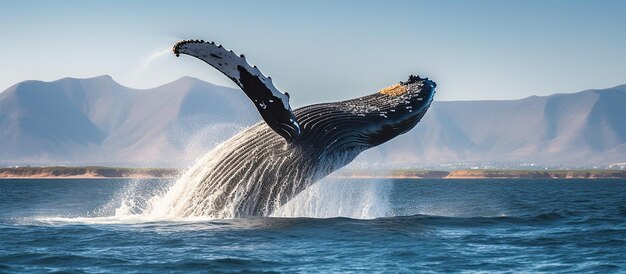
(51, 225)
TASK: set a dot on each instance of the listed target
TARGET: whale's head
(367, 121)
(396, 109)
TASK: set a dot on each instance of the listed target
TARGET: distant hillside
(584, 128)
(96, 121)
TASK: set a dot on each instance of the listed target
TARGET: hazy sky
(327, 50)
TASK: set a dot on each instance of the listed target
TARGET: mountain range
(97, 121)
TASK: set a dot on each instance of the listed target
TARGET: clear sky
(327, 50)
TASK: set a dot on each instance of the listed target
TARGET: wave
(318, 216)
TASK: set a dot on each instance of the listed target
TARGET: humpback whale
(264, 166)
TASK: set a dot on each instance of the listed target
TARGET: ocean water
(353, 225)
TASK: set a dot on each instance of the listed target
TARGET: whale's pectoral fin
(271, 103)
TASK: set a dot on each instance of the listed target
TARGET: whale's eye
(394, 90)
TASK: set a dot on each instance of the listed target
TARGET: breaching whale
(264, 166)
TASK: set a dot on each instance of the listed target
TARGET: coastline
(89, 172)
(98, 172)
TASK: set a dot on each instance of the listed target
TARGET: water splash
(330, 197)
(139, 71)
(334, 197)
(150, 58)
(208, 190)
